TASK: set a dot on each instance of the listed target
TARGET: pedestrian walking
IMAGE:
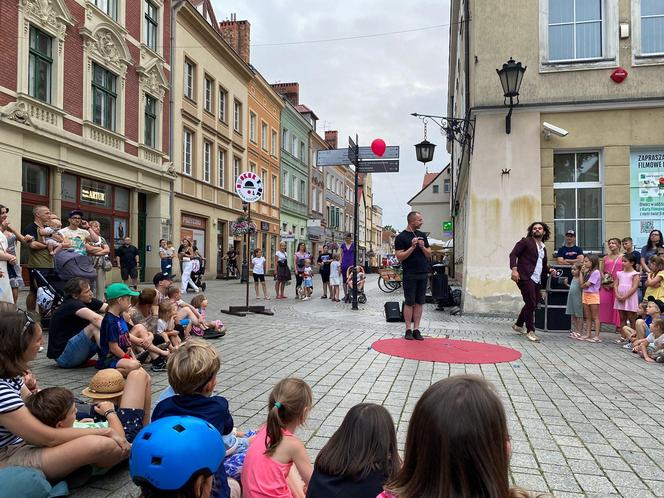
(412, 250)
(128, 259)
(347, 260)
(298, 262)
(530, 267)
(258, 263)
(166, 256)
(185, 253)
(324, 260)
(283, 272)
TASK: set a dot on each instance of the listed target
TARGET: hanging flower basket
(243, 226)
(333, 246)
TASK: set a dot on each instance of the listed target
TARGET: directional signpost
(365, 160)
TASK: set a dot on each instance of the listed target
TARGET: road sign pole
(356, 225)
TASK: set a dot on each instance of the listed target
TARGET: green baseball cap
(115, 291)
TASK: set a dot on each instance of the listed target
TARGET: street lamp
(510, 78)
(424, 151)
(454, 129)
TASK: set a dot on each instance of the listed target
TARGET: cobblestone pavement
(585, 418)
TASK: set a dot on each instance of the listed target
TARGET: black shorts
(34, 283)
(132, 421)
(325, 276)
(415, 288)
(125, 273)
(259, 277)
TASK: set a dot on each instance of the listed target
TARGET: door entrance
(142, 233)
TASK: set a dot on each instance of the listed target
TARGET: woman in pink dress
(612, 264)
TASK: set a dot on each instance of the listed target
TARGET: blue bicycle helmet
(169, 451)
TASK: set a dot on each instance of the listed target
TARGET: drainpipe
(175, 6)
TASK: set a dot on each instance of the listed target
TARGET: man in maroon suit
(529, 270)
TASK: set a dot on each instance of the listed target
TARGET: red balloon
(378, 147)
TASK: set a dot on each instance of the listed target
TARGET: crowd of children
(637, 322)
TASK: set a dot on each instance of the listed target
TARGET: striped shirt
(10, 400)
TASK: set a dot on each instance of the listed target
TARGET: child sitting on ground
(166, 324)
(359, 458)
(204, 328)
(54, 241)
(641, 330)
(186, 314)
(269, 461)
(115, 341)
(650, 347)
(122, 406)
(192, 373)
(308, 280)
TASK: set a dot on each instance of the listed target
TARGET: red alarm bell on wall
(619, 75)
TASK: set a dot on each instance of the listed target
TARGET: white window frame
(237, 167)
(102, 6)
(221, 167)
(157, 4)
(638, 57)
(264, 129)
(189, 88)
(285, 188)
(187, 151)
(207, 160)
(284, 138)
(264, 178)
(252, 166)
(294, 141)
(294, 188)
(223, 105)
(578, 186)
(252, 126)
(303, 191)
(446, 186)
(273, 191)
(610, 41)
(208, 97)
(274, 143)
(237, 116)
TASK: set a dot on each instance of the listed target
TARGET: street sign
(389, 166)
(391, 152)
(352, 151)
(332, 157)
(249, 187)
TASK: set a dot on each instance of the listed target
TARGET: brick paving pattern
(585, 419)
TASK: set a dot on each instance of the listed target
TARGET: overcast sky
(367, 86)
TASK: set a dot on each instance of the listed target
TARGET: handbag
(607, 277)
(106, 264)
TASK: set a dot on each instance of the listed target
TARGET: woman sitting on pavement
(73, 335)
(457, 444)
(24, 440)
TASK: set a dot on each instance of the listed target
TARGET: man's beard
(537, 235)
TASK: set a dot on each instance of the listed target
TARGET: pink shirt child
(262, 476)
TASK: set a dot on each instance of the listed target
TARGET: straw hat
(107, 383)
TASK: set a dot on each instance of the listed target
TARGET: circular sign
(249, 187)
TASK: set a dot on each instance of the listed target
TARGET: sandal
(594, 339)
(574, 335)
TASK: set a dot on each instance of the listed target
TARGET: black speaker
(393, 312)
(552, 319)
(557, 298)
(439, 285)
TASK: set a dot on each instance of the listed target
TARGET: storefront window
(68, 188)
(578, 198)
(35, 178)
(95, 193)
(120, 230)
(121, 199)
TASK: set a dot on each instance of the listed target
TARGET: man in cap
(77, 232)
(569, 253)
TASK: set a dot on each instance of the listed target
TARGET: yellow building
(211, 134)
(586, 148)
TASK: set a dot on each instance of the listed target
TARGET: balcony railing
(293, 206)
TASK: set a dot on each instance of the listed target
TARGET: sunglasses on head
(29, 321)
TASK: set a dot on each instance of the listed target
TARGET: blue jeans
(78, 350)
(167, 265)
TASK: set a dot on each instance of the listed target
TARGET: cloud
(367, 86)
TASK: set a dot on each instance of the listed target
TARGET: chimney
(332, 138)
(291, 91)
(238, 35)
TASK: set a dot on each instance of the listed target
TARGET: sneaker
(628, 346)
(532, 337)
(142, 357)
(417, 335)
(158, 365)
(517, 329)
(323, 297)
(659, 358)
(409, 335)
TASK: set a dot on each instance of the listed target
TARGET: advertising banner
(646, 182)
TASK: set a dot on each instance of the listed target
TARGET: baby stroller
(49, 295)
(361, 278)
(197, 272)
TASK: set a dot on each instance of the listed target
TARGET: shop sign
(193, 221)
(311, 223)
(265, 226)
(92, 195)
(287, 237)
(646, 182)
(448, 228)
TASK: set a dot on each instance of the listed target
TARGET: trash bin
(244, 276)
(551, 316)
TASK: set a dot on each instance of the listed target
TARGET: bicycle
(390, 278)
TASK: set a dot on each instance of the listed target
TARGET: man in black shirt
(412, 250)
(73, 334)
(128, 261)
(324, 260)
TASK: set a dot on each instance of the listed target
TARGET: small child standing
(258, 262)
(335, 277)
(592, 281)
(574, 306)
(114, 341)
(308, 280)
(274, 451)
(208, 330)
(626, 286)
(650, 347)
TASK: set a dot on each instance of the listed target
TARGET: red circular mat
(447, 351)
